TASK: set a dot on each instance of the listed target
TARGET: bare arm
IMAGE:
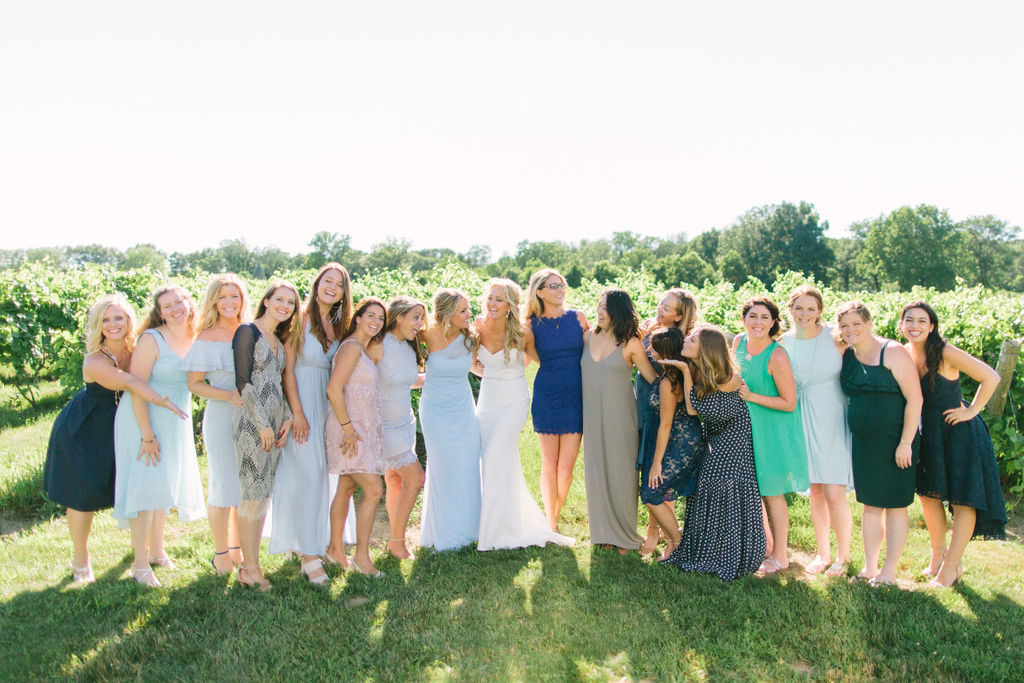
(687, 385)
(582, 318)
(781, 371)
(345, 363)
(198, 386)
(638, 357)
(529, 346)
(98, 368)
(300, 425)
(903, 369)
(667, 414)
(987, 379)
(145, 355)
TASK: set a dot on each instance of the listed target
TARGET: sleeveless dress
(646, 419)
(509, 516)
(79, 470)
(779, 449)
(362, 403)
(557, 388)
(174, 482)
(301, 497)
(258, 371)
(822, 404)
(723, 533)
(683, 453)
(398, 372)
(610, 442)
(451, 495)
(958, 463)
(875, 415)
(217, 361)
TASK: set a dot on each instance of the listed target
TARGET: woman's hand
(300, 428)
(904, 455)
(282, 435)
(959, 414)
(349, 441)
(166, 402)
(745, 392)
(681, 364)
(655, 479)
(236, 398)
(266, 438)
(151, 449)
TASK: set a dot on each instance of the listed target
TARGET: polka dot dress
(723, 533)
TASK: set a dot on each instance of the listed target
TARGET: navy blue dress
(683, 453)
(647, 420)
(558, 388)
(958, 463)
(79, 470)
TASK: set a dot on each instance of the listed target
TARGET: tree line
(909, 246)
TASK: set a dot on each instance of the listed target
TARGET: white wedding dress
(510, 517)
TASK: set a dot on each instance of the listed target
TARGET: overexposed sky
(459, 122)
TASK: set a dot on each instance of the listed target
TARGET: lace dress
(681, 461)
(258, 379)
(362, 402)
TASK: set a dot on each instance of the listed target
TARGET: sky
(451, 123)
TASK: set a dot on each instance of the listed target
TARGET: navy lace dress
(683, 452)
(958, 463)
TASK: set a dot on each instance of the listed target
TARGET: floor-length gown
(509, 516)
(610, 443)
(173, 481)
(302, 493)
(451, 495)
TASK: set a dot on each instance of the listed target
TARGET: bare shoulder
(581, 317)
(733, 384)
(375, 350)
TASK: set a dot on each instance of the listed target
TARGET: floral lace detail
(362, 402)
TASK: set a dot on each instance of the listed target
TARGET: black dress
(79, 470)
(958, 463)
(876, 422)
(723, 533)
(681, 460)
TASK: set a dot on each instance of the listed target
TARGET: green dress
(780, 453)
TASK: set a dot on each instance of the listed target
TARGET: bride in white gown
(510, 517)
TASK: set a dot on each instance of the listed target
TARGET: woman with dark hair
(302, 493)
(79, 470)
(677, 309)
(157, 467)
(262, 424)
(958, 464)
(677, 449)
(400, 370)
(769, 389)
(610, 434)
(884, 412)
(355, 433)
(723, 533)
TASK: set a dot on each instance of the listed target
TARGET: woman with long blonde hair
(79, 470)
(451, 496)
(157, 467)
(211, 374)
(557, 407)
(509, 517)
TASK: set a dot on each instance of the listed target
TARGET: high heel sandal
(374, 574)
(262, 586)
(330, 560)
(935, 583)
(162, 561)
(309, 567)
(82, 574)
(146, 577)
(213, 563)
(239, 549)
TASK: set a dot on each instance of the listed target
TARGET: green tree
(706, 245)
(476, 256)
(93, 253)
(776, 238)
(732, 268)
(144, 256)
(329, 246)
(391, 253)
(911, 246)
(987, 246)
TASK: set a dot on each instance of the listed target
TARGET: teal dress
(780, 453)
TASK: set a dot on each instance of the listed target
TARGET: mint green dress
(780, 453)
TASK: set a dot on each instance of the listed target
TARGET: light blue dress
(451, 496)
(174, 482)
(218, 362)
(303, 490)
(398, 372)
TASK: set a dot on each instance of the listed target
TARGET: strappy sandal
(162, 562)
(146, 577)
(837, 568)
(816, 566)
(82, 574)
(262, 586)
(213, 563)
(309, 567)
(375, 574)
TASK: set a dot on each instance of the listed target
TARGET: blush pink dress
(362, 401)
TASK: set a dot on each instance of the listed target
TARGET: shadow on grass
(518, 614)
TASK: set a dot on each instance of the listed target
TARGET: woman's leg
(897, 528)
(666, 520)
(778, 517)
(964, 518)
(251, 514)
(935, 520)
(568, 452)
(820, 519)
(400, 504)
(372, 492)
(841, 519)
(872, 526)
(220, 519)
(156, 534)
(80, 524)
(338, 515)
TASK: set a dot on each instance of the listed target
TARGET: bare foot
(650, 545)
(397, 547)
(670, 548)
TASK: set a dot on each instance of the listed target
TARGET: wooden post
(1007, 364)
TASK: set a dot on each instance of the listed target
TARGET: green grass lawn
(552, 613)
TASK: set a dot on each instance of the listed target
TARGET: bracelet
(346, 423)
(153, 440)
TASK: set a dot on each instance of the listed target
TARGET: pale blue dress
(217, 361)
(451, 495)
(398, 372)
(174, 481)
(303, 489)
